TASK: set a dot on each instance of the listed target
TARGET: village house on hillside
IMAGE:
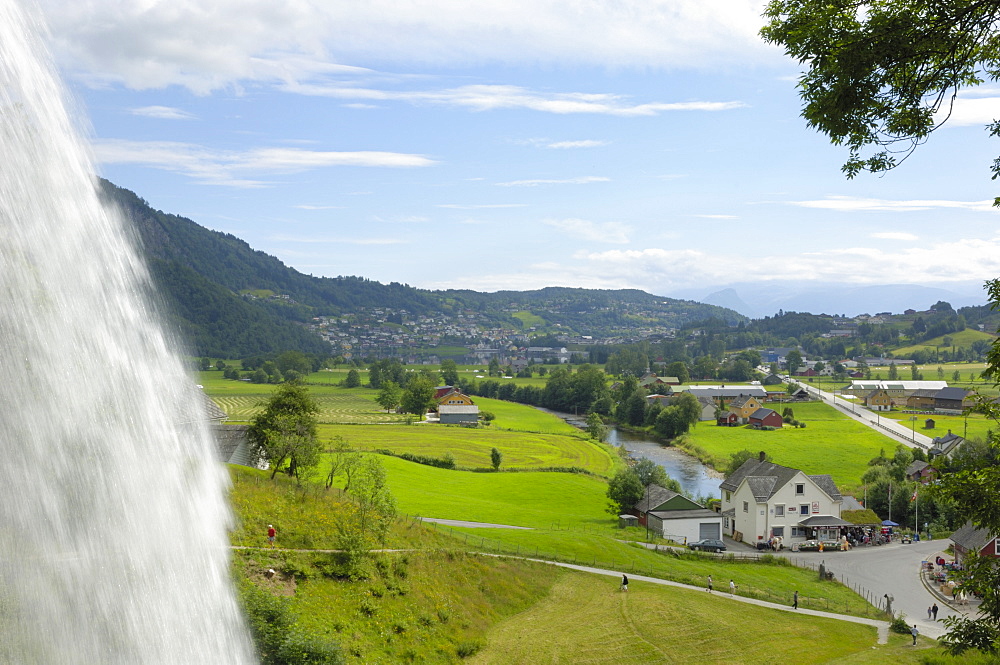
(971, 539)
(455, 407)
(761, 500)
(676, 517)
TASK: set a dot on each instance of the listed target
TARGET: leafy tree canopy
(878, 72)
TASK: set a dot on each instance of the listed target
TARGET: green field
(355, 405)
(961, 339)
(520, 499)
(471, 447)
(830, 443)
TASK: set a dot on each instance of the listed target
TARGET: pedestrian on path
(709, 584)
(271, 533)
(929, 612)
(934, 609)
(914, 632)
(624, 583)
(795, 600)
(732, 588)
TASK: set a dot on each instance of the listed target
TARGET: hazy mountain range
(756, 299)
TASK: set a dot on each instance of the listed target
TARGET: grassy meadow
(831, 442)
(437, 601)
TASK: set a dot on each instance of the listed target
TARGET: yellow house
(743, 407)
(455, 399)
(878, 400)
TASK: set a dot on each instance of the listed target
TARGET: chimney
(763, 456)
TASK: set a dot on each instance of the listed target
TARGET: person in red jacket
(271, 533)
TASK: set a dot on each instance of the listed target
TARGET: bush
(468, 648)
(899, 625)
(301, 649)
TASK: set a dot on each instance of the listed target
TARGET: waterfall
(113, 545)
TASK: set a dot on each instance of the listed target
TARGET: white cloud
(855, 204)
(582, 180)
(495, 97)
(162, 113)
(894, 235)
(613, 232)
(563, 145)
(658, 270)
(241, 168)
(480, 206)
(207, 46)
(708, 216)
(974, 107)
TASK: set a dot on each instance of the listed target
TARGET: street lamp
(913, 430)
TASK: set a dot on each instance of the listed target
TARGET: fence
(866, 603)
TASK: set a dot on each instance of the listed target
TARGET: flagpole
(890, 502)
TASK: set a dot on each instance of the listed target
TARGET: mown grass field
(587, 620)
(439, 604)
(529, 498)
(355, 405)
(471, 447)
(830, 443)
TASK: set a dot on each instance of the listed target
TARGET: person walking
(624, 583)
(930, 611)
(271, 534)
(934, 609)
(709, 584)
(732, 588)
(914, 632)
(795, 600)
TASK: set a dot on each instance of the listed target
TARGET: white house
(677, 517)
(762, 499)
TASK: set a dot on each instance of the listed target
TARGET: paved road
(888, 426)
(889, 569)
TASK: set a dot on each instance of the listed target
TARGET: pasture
(830, 443)
(471, 447)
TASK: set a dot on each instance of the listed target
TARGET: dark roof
(654, 496)
(924, 393)
(228, 438)
(824, 520)
(916, 466)
(762, 413)
(849, 503)
(728, 393)
(951, 394)
(971, 538)
(825, 482)
(765, 478)
(740, 401)
(700, 513)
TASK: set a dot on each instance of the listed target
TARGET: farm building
(675, 516)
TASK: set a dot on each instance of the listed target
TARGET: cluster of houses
(761, 501)
(921, 396)
(729, 406)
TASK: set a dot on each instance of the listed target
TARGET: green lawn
(520, 498)
(961, 339)
(346, 405)
(471, 447)
(510, 415)
(830, 443)
(587, 620)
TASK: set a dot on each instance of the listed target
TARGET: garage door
(709, 530)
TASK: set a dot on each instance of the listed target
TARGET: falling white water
(112, 515)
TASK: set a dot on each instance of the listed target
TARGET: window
(746, 507)
(798, 532)
(779, 510)
(779, 531)
(729, 496)
(800, 489)
(804, 509)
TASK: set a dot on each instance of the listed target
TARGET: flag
(914, 497)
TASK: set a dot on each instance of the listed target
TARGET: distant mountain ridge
(229, 300)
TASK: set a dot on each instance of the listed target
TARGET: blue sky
(512, 144)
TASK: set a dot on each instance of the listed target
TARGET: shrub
(301, 649)
(899, 625)
(468, 648)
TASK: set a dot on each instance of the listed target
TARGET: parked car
(708, 545)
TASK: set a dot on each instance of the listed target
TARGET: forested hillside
(231, 301)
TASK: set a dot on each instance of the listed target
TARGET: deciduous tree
(285, 431)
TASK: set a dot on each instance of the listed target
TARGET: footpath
(882, 627)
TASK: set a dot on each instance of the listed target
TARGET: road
(889, 569)
(887, 426)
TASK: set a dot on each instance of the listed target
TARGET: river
(695, 478)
